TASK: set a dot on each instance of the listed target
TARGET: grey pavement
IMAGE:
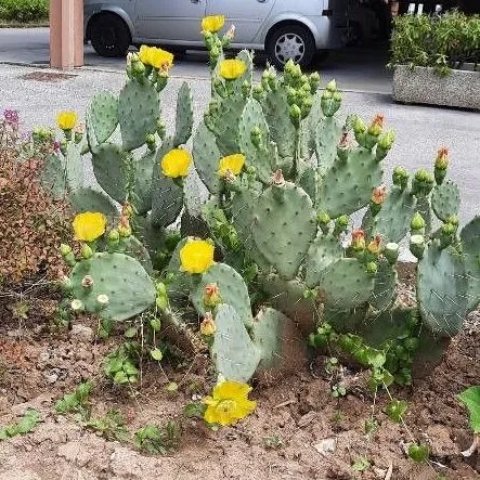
(38, 93)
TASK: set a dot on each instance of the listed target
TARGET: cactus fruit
(127, 285)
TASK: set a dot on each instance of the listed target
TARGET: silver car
(285, 29)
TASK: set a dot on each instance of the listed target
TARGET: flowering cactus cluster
(280, 257)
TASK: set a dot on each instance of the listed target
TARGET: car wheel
(110, 36)
(290, 42)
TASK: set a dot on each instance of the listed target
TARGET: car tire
(110, 35)
(290, 42)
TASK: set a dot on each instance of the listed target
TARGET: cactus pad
(88, 199)
(184, 120)
(129, 288)
(324, 251)
(284, 227)
(383, 294)
(207, 156)
(446, 200)
(138, 112)
(233, 352)
(103, 116)
(470, 237)
(442, 288)
(142, 190)
(328, 132)
(233, 291)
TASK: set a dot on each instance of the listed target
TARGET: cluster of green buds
(300, 90)
(417, 225)
(441, 165)
(367, 254)
(423, 182)
(161, 299)
(331, 99)
(373, 132)
(68, 255)
(448, 232)
(151, 64)
(384, 144)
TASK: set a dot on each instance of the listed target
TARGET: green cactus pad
(442, 288)
(74, 167)
(346, 284)
(324, 251)
(103, 116)
(233, 352)
(392, 222)
(328, 133)
(133, 247)
(348, 185)
(129, 288)
(446, 200)
(346, 321)
(184, 120)
(282, 347)
(206, 156)
(142, 190)
(283, 133)
(470, 237)
(284, 227)
(232, 291)
(425, 210)
(289, 298)
(167, 194)
(263, 157)
(384, 293)
(138, 112)
(182, 284)
(310, 180)
(53, 176)
(88, 199)
(110, 166)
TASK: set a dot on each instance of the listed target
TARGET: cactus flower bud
(138, 69)
(208, 326)
(417, 245)
(441, 165)
(447, 234)
(161, 288)
(76, 305)
(384, 144)
(66, 284)
(359, 125)
(211, 295)
(358, 240)
(161, 129)
(314, 80)
(258, 92)
(161, 302)
(332, 86)
(323, 219)
(453, 219)
(124, 231)
(377, 199)
(87, 281)
(278, 178)
(256, 136)
(295, 114)
(400, 177)
(376, 126)
(113, 236)
(422, 182)
(417, 225)
(341, 224)
(150, 139)
(86, 252)
(374, 246)
(65, 250)
(103, 300)
(391, 252)
(372, 268)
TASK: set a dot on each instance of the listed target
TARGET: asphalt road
(360, 69)
(38, 93)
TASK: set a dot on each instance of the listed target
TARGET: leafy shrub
(23, 10)
(442, 42)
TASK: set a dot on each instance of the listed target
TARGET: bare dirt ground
(299, 431)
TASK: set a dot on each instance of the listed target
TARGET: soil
(299, 431)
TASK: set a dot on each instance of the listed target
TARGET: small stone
(326, 447)
(43, 357)
(441, 442)
(82, 333)
(307, 419)
(51, 378)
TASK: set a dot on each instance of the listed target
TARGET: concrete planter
(422, 85)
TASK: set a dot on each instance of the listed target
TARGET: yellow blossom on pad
(231, 163)
(213, 23)
(232, 69)
(228, 403)
(67, 120)
(176, 163)
(145, 54)
(89, 226)
(196, 256)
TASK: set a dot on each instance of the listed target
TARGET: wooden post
(66, 33)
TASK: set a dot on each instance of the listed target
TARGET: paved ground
(420, 130)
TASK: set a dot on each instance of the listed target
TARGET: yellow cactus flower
(196, 256)
(67, 120)
(232, 69)
(161, 59)
(213, 23)
(231, 163)
(176, 163)
(208, 327)
(145, 54)
(89, 226)
(228, 404)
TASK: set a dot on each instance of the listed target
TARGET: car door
(170, 20)
(247, 15)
